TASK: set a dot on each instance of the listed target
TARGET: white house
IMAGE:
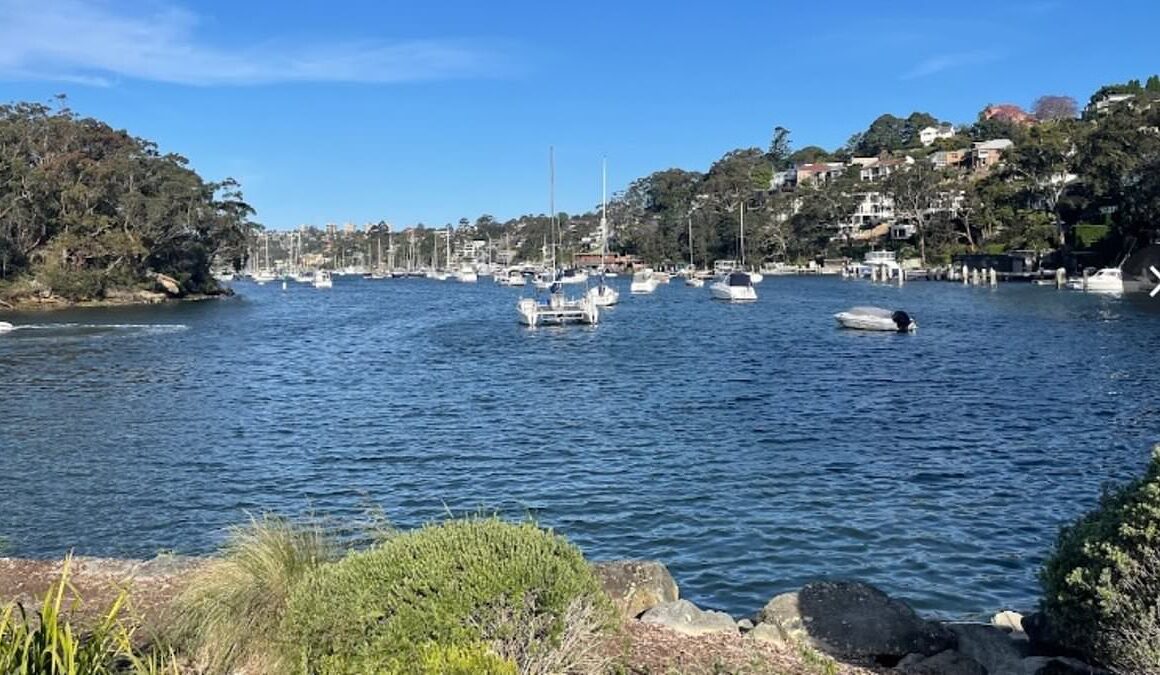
(881, 168)
(872, 208)
(1107, 101)
(928, 135)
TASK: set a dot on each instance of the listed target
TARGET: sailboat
(435, 273)
(556, 308)
(691, 279)
(265, 274)
(735, 285)
(602, 294)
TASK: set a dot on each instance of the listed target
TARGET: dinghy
(876, 318)
(6, 327)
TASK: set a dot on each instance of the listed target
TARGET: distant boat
(573, 276)
(304, 277)
(223, 275)
(603, 295)
(876, 319)
(467, 275)
(322, 279)
(6, 327)
(1108, 280)
(511, 277)
(734, 287)
(694, 282)
(690, 272)
(643, 282)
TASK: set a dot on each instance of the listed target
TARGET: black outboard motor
(902, 320)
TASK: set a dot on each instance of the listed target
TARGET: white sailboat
(737, 285)
(603, 295)
(556, 309)
(691, 279)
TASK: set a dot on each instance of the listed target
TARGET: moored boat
(876, 319)
(734, 287)
(6, 327)
(322, 279)
(643, 282)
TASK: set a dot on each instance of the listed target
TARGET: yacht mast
(692, 266)
(603, 213)
(552, 200)
(743, 235)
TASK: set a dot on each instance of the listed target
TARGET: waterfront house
(1013, 263)
(948, 159)
(819, 172)
(872, 208)
(883, 167)
(928, 135)
(986, 154)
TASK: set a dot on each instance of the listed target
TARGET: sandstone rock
(852, 620)
(169, 284)
(636, 586)
(764, 632)
(745, 625)
(1010, 620)
(1057, 665)
(684, 617)
(947, 662)
(991, 646)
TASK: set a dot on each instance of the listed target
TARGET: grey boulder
(686, 618)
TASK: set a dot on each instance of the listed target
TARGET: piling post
(975, 277)
(901, 276)
(1085, 279)
(994, 277)
(1060, 277)
(966, 276)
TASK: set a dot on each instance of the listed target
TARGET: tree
(811, 154)
(1043, 165)
(779, 149)
(1048, 108)
(916, 195)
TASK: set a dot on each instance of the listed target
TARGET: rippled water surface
(751, 448)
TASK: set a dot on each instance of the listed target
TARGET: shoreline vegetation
(479, 594)
(93, 216)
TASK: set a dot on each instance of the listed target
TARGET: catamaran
(603, 295)
(556, 308)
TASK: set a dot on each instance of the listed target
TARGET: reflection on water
(749, 447)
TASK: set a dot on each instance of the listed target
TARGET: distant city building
(348, 229)
(331, 229)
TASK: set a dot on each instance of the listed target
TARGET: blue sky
(357, 111)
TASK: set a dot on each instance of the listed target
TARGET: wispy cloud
(941, 62)
(89, 43)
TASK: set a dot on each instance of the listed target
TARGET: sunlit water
(751, 448)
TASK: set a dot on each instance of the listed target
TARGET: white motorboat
(264, 277)
(304, 277)
(512, 277)
(1107, 280)
(734, 287)
(573, 276)
(322, 279)
(643, 282)
(6, 327)
(695, 282)
(467, 275)
(878, 319)
(223, 276)
(880, 264)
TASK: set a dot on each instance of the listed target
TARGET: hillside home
(928, 135)
(883, 167)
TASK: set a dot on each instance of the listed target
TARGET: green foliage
(1102, 581)
(229, 615)
(87, 205)
(49, 644)
(431, 659)
(451, 583)
(1088, 235)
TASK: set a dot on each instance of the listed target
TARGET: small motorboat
(6, 327)
(1106, 280)
(876, 318)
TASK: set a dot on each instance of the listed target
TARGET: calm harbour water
(751, 448)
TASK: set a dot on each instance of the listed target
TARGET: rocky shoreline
(167, 290)
(826, 626)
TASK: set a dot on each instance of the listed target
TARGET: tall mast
(691, 264)
(552, 199)
(743, 235)
(603, 212)
(448, 261)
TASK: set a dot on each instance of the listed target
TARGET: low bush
(1102, 582)
(229, 614)
(515, 587)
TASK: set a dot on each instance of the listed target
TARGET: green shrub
(457, 583)
(430, 659)
(1102, 581)
(1088, 235)
(227, 617)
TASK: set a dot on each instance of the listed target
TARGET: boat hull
(603, 296)
(855, 321)
(726, 293)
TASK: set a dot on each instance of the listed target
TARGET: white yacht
(263, 277)
(1108, 280)
(603, 294)
(223, 276)
(304, 277)
(643, 282)
(573, 276)
(877, 319)
(467, 275)
(322, 279)
(733, 287)
(694, 282)
(512, 277)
